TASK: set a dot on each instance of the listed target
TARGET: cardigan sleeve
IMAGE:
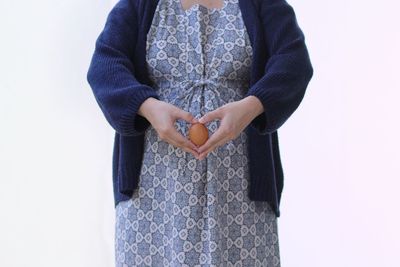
(111, 73)
(288, 69)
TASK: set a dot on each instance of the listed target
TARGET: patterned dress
(189, 212)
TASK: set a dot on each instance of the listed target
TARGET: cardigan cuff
(262, 121)
(131, 122)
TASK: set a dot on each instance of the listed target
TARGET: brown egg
(198, 133)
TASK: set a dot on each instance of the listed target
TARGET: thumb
(210, 116)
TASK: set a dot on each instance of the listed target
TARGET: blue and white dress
(189, 212)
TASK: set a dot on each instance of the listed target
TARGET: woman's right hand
(162, 116)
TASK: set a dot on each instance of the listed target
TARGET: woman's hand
(234, 116)
(162, 116)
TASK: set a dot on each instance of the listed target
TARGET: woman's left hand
(234, 116)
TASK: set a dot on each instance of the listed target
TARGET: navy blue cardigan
(280, 74)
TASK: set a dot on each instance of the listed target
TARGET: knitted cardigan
(280, 73)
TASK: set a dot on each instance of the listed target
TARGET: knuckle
(231, 135)
(162, 137)
(228, 131)
(181, 144)
(162, 133)
(234, 136)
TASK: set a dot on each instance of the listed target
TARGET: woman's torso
(188, 211)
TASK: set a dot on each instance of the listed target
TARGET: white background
(339, 149)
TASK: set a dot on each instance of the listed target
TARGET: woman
(159, 67)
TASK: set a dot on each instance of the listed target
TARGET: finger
(182, 142)
(194, 153)
(212, 148)
(215, 146)
(171, 136)
(212, 115)
(214, 139)
(186, 116)
(185, 148)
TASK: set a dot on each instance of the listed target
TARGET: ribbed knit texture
(280, 74)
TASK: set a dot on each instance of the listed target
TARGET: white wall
(54, 142)
(339, 149)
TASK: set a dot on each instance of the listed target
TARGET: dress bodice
(197, 47)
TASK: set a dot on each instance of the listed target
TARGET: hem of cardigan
(258, 197)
